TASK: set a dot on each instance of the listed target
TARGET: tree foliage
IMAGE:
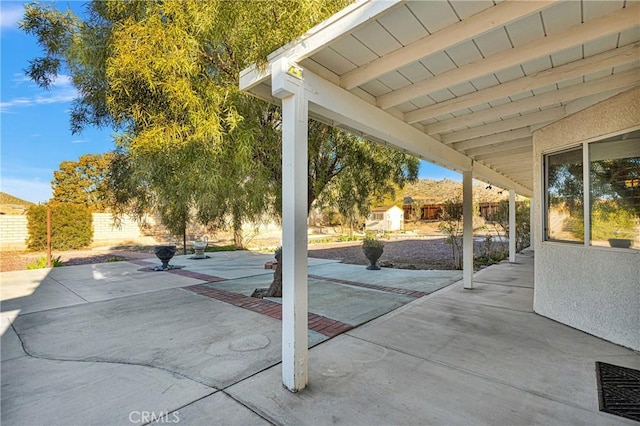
(71, 226)
(523, 222)
(84, 181)
(164, 74)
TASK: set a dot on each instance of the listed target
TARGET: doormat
(618, 390)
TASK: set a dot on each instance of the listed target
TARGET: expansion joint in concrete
(105, 361)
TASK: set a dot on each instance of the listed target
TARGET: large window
(611, 193)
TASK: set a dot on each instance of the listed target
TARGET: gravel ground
(15, 261)
(404, 254)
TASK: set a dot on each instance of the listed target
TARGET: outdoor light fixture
(295, 71)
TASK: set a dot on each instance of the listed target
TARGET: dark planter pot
(372, 254)
(165, 254)
(620, 242)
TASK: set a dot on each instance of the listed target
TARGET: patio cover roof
(462, 84)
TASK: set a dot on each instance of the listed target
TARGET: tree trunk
(237, 233)
(275, 289)
(184, 240)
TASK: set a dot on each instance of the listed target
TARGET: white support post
(512, 226)
(467, 229)
(287, 84)
(532, 224)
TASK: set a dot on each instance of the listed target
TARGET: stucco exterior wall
(594, 289)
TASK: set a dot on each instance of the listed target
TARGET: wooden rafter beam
(505, 153)
(510, 135)
(547, 115)
(620, 81)
(498, 147)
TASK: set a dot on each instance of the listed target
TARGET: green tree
(84, 181)
(165, 75)
(71, 226)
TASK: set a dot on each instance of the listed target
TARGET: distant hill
(429, 191)
(13, 205)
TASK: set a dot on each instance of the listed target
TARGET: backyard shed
(385, 219)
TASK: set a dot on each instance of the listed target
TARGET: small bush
(371, 241)
(213, 248)
(42, 263)
(71, 226)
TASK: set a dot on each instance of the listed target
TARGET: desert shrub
(71, 226)
(42, 263)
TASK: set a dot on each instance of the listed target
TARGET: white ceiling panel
(403, 25)
(562, 16)
(480, 107)
(394, 80)
(438, 63)
(509, 74)
(464, 9)
(485, 81)
(444, 117)
(594, 75)
(566, 56)
(462, 89)
(537, 65)
(415, 72)
(442, 95)
(423, 102)
(352, 49)
(377, 38)
(461, 112)
(493, 42)
(629, 36)
(525, 30)
(626, 67)
(498, 102)
(522, 95)
(601, 45)
(464, 53)
(375, 88)
(333, 61)
(434, 15)
(592, 9)
(570, 82)
(545, 89)
(406, 107)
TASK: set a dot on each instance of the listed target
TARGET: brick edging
(321, 324)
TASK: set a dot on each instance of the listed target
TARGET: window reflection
(614, 179)
(565, 192)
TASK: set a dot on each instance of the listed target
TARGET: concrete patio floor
(111, 344)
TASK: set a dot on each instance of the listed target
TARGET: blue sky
(35, 136)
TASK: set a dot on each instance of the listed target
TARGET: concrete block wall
(13, 232)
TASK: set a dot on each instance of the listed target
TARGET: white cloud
(11, 14)
(79, 141)
(61, 92)
(35, 191)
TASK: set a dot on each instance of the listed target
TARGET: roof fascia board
(328, 31)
